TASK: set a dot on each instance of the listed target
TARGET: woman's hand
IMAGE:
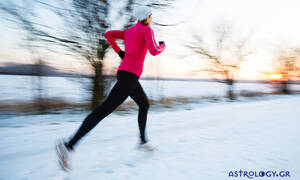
(161, 42)
(121, 54)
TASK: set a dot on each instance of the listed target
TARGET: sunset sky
(269, 25)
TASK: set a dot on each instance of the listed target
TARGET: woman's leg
(139, 96)
(121, 90)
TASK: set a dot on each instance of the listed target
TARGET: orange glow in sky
(276, 76)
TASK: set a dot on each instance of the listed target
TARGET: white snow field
(203, 143)
(21, 88)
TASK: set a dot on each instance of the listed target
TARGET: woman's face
(149, 20)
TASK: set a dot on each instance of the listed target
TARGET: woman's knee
(145, 106)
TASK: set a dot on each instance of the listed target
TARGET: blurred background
(54, 55)
(56, 65)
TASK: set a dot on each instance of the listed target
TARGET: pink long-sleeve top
(138, 39)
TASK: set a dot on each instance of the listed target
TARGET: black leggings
(127, 85)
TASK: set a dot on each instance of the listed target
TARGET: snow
(202, 143)
(76, 89)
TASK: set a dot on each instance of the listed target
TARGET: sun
(276, 76)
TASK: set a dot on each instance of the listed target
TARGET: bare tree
(29, 43)
(223, 58)
(286, 65)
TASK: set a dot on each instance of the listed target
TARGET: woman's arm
(111, 36)
(154, 49)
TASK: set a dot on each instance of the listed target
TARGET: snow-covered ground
(202, 143)
(76, 89)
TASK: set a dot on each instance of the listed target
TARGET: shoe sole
(63, 165)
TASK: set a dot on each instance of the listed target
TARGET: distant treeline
(46, 70)
(31, 69)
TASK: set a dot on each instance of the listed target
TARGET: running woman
(138, 40)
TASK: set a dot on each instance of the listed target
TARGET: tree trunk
(39, 99)
(230, 93)
(98, 86)
(284, 87)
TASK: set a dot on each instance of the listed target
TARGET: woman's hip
(127, 77)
